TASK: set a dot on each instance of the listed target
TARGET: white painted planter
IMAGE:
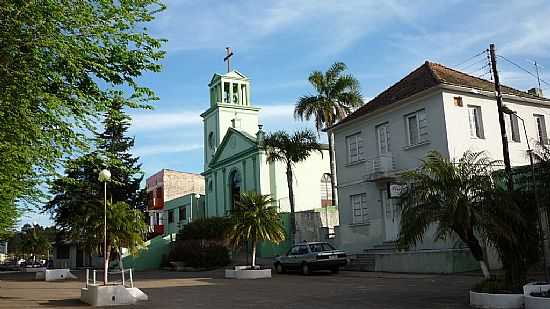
(496, 301)
(111, 295)
(242, 272)
(533, 287)
(33, 269)
(533, 302)
(54, 275)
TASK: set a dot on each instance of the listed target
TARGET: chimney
(535, 91)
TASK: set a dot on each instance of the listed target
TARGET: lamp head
(507, 110)
(104, 175)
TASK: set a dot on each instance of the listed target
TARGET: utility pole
(505, 150)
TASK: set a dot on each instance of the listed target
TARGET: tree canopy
(61, 65)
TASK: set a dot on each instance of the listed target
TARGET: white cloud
(276, 111)
(150, 121)
(152, 150)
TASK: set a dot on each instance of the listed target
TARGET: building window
(476, 121)
(211, 141)
(235, 187)
(359, 208)
(326, 191)
(417, 127)
(512, 128)
(541, 129)
(458, 101)
(383, 137)
(182, 215)
(355, 147)
(170, 216)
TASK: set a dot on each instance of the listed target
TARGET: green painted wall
(267, 249)
(150, 257)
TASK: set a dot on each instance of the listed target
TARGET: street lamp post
(508, 111)
(104, 176)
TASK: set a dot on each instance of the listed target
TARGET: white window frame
(359, 210)
(355, 154)
(512, 128)
(542, 133)
(383, 130)
(421, 135)
(476, 128)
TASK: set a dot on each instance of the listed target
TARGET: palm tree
(35, 242)
(255, 219)
(338, 94)
(290, 150)
(451, 195)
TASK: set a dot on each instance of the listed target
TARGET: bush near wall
(201, 244)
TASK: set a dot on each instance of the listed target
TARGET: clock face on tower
(211, 142)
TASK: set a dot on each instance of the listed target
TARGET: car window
(294, 251)
(303, 250)
(320, 247)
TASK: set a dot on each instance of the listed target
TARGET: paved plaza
(210, 290)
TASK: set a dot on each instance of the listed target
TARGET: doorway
(392, 216)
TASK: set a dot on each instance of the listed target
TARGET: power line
(483, 60)
(523, 69)
(473, 57)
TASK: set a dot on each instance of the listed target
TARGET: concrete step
(362, 262)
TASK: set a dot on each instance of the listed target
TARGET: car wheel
(335, 270)
(279, 268)
(305, 269)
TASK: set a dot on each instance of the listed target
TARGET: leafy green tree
(338, 94)
(35, 241)
(78, 202)
(254, 218)
(452, 196)
(61, 63)
(291, 150)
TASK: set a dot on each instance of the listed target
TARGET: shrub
(195, 253)
(496, 286)
(211, 229)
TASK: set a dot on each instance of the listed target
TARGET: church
(234, 161)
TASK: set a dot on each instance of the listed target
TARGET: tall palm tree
(338, 94)
(290, 150)
(451, 195)
(255, 219)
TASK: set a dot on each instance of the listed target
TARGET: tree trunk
(253, 254)
(332, 168)
(477, 253)
(106, 265)
(291, 199)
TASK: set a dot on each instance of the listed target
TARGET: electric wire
(524, 69)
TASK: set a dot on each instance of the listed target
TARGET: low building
(167, 185)
(432, 108)
(181, 211)
(69, 254)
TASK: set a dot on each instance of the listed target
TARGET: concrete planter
(245, 272)
(496, 301)
(55, 275)
(535, 287)
(534, 302)
(111, 295)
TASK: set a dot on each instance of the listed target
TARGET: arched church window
(235, 187)
(211, 142)
(210, 186)
(326, 190)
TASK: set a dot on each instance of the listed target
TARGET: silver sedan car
(310, 256)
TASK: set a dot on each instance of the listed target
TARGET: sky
(278, 43)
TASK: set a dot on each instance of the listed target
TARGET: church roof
(232, 75)
(230, 131)
(426, 76)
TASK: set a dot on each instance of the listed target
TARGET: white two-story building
(432, 108)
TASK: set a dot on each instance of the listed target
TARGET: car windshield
(320, 247)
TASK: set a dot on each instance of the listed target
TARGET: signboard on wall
(395, 189)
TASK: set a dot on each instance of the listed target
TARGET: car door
(290, 260)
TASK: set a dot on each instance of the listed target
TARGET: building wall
(458, 130)
(193, 211)
(352, 177)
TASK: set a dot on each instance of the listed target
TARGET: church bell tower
(230, 107)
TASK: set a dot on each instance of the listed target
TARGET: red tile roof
(425, 77)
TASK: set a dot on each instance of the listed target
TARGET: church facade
(234, 161)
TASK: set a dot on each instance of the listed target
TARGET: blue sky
(277, 44)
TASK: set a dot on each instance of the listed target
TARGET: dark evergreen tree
(113, 146)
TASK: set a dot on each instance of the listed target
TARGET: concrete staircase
(366, 261)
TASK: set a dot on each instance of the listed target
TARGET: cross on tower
(228, 58)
